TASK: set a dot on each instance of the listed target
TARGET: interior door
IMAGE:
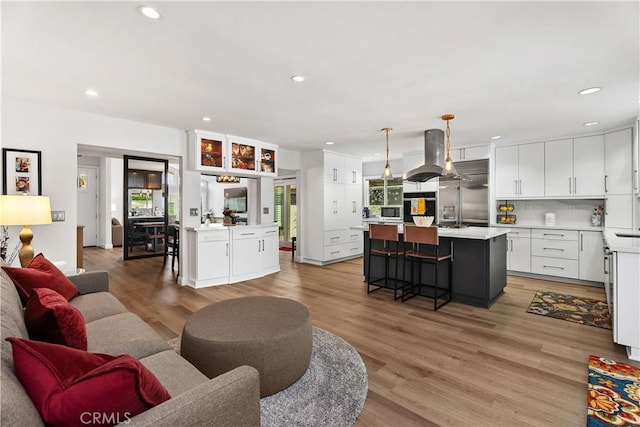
(285, 212)
(88, 204)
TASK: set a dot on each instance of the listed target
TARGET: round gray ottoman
(271, 334)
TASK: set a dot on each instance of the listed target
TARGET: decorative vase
(227, 220)
(596, 220)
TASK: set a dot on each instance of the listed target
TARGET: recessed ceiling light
(206, 119)
(589, 90)
(496, 137)
(91, 92)
(376, 154)
(329, 142)
(298, 79)
(149, 12)
(591, 123)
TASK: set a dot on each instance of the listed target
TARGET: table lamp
(25, 210)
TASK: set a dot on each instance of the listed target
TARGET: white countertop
(218, 226)
(480, 233)
(622, 244)
(552, 227)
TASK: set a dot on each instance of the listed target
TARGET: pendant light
(448, 169)
(386, 175)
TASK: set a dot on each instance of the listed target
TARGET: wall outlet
(265, 210)
(57, 215)
(193, 211)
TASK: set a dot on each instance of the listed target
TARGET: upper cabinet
(519, 171)
(574, 167)
(220, 153)
(470, 153)
(150, 180)
(618, 162)
(342, 169)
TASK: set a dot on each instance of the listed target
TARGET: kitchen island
(479, 268)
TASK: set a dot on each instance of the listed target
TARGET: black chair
(172, 246)
(384, 242)
(426, 247)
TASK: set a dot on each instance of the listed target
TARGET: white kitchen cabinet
(519, 250)
(555, 252)
(420, 187)
(470, 153)
(334, 167)
(520, 171)
(590, 256)
(209, 260)
(574, 167)
(636, 157)
(618, 211)
(626, 294)
(208, 151)
(254, 252)
(270, 247)
(353, 204)
(334, 206)
(618, 162)
(353, 170)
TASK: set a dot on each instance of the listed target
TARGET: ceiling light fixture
(386, 175)
(149, 12)
(589, 90)
(448, 169)
(590, 123)
(297, 78)
(91, 92)
(206, 119)
(496, 137)
(329, 143)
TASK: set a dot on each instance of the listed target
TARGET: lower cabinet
(591, 256)
(519, 250)
(232, 254)
(554, 252)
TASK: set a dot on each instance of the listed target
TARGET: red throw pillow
(50, 318)
(70, 387)
(40, 273)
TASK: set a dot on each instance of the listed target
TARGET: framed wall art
(22, 171)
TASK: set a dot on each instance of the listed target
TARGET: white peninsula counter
(230, 254)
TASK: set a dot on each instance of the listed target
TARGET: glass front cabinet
(214, 152)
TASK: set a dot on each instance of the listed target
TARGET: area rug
(614, 393)
(285, 248)
(586, 311)
(330, 393)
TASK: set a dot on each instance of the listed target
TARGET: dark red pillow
(69, 386)
(40, 273)
(50, 318)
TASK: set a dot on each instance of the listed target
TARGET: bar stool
(384, 242)
(425, 247)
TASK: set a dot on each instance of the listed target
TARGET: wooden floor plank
(461, 365)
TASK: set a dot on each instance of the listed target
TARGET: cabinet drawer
(565, 249)
(519, 232)
(239, 234)
(212, 236)
(554, 234)
(554, 267)
(354, 236)
(335, 237)
(343, 250)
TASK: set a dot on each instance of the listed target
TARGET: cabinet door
(212, 260)
(558, 168)
(268, 159)
(591, 256)
(208, 151)
(588, 166)
(531, 170)
(618, 163)
(457, 154)
(506, 171)
(270, 256)
(246, 257)
(519, 254)
(477, 152)
(243, 155)
(333, 167)
(135, 179)
(334, 206)
(618, 211)
(154, 180)
(353, 205)
(353, 170)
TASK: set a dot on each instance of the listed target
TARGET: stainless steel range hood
(433, 157)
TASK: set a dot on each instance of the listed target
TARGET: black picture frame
(22, 171)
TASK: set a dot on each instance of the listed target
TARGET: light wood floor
(459, 366)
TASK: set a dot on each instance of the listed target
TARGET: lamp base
(26, 251)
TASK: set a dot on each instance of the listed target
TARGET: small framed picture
(22, 171)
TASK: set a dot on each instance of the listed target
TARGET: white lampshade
(24, 210)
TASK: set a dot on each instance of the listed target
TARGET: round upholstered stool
(271, 334)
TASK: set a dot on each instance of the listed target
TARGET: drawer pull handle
(335, 252)
(335, 237)
(553, 234)
(553, 266)
(553, 249)
(247, 234)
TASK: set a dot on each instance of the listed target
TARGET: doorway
(146, 206)
(87, 195)
(285, 211)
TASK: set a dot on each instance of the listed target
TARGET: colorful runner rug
(586, 311)
(614, 393)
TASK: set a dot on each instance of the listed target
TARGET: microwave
(390, 212)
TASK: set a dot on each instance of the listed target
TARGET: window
(384, 193)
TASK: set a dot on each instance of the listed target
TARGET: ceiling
(503, 68)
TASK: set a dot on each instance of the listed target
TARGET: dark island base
(479, 269)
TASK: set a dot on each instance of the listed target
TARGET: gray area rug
(331, 393)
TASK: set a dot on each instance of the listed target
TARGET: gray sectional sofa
(231, 399)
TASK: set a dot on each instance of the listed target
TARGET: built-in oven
(429, 200)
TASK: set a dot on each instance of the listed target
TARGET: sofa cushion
(40, 273)
(50, 318)
(97, 305)
(174, 372)
(68, 385)
(124, 333)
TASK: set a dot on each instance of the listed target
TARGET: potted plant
(229, 216)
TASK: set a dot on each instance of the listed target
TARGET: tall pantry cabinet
(332, 205)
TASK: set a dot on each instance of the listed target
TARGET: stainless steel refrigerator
(465, 201)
